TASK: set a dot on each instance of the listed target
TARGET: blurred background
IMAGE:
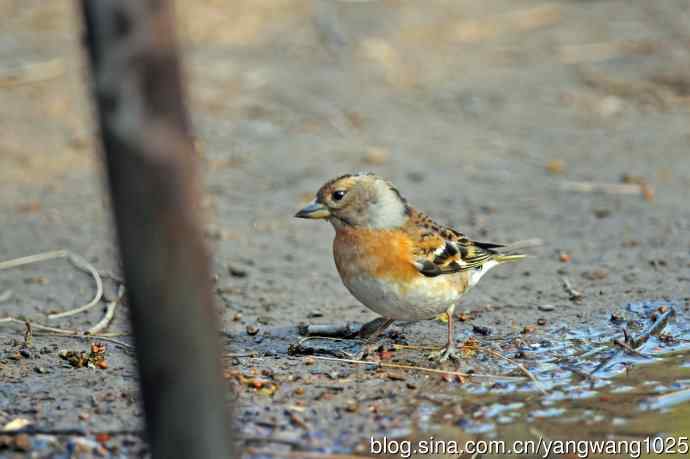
(502, 118)
(482, 113)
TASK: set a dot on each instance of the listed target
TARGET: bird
(396, 260)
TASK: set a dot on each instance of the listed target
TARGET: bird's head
(361, 200)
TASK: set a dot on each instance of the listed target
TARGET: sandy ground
(482, 113)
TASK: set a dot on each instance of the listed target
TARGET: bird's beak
(314, 210)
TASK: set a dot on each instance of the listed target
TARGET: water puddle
(628, 379)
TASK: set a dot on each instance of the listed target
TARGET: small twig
(109, 313)
(582, 374)
(331, 338)
(112, 276)
(653, 330)
(575, 295)
(28, 335)
(77, 335)
(416, 347)
(35, 326)
(75, 431)
(605, 363)
(424, 369)
(299, 349)
(282, 441)
(522, 368)
(626, 347)
(76, 260)
(85, 266)
(42, 330)
(592, 352)
(231, 355)
(608, 188)
(346, 330)
(34, 72)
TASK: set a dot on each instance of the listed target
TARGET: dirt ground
(484, 114)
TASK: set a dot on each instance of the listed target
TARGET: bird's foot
(449, 352)
(372, 329)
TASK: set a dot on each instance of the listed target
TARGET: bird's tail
(507, 258)
(506, 254)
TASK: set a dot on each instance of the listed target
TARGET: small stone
(528, 329)
(395, 376)
(309, 360)
(41, 370)
(602, 213)
(546, 307)
(351, 406)
(263, 320)
(610, 106)
(234, 271)
(376, 156)
(22, 442)
(481, 330)
(597, 274)
(416, 177)
(252, 330)
(615, 318)
(565, 257)
(541, 321)
(555, 167)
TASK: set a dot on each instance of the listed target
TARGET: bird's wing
(441, 250)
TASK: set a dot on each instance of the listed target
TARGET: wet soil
(495, 117)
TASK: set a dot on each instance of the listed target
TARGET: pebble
(351, 406)
(546, 307)
(235, 271)
(528, 329)
(481, 330)
(22, 442)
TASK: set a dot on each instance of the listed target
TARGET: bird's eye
(338, 195)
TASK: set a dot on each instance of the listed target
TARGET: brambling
(396, 260)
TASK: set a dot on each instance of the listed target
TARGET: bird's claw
(447, 353)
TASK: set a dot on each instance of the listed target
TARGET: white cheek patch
(388, 211)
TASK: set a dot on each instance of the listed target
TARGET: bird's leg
(450, 350)
(372, 329)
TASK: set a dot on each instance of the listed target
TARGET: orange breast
(380, 253)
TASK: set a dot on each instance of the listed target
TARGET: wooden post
(154, 184)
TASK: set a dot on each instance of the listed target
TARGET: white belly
(423, 299)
